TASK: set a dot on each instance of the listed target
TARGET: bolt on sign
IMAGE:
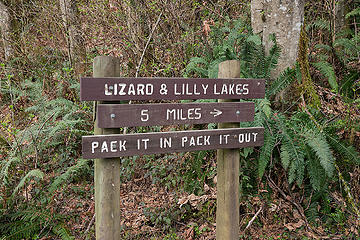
(132, 115)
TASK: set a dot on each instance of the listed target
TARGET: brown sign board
(131, 115)
(119, 145)
(115, 89)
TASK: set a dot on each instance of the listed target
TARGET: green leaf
(354, 12)
(318, 144)
(36, 173)
(265, 106)
(285, 156)
(327, 69)
(69, 174)
(266, 152)
(254, 39)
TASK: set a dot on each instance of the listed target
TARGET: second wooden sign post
(107, 144)
(227, 195)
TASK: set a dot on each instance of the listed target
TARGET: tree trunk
(6, 31)
(284, 18)
(75, 40)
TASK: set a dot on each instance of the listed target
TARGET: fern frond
(20, 230)
(36, 173)
(318, 144)
(263, 112)
(255, 39)
(285, 79)
(264, 105)
(4, 173)
(321, 24)
(327, 48)
(62, 232)
(294, 149)
(284, 156)
(69, 174)
(312, 212)
(346, 43)
(193, 67)
(272, 59)
(345, 151)
(266, 152)
(353, 13)
(327, 69)
(316, 172)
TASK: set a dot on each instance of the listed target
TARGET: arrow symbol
(216, 112)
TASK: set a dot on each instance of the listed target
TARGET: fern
(315, 170)
(353, 13)
(325, 47)
(62, 232)
(4, 173)
(70, 173)
(35, 173)
(272, 59)
(266, 152)
(293, 148)
(285, 156)
(29, 223)
(320, 24)
(345, 151)
(327, 69)
(322, 150)
(282, 82)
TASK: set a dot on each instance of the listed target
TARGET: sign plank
(131, 115)
(114, 89)
(108, 146)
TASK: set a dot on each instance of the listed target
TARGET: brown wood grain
(113, 89)
(130, 115)
(109, 146)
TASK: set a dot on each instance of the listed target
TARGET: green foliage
(32, 223)
(236, 42)
(70, 173)
(318, 144)
(295, 141)
(36, 173)
(266, 151)
(328, 71)
(47, 144)
(353, 13)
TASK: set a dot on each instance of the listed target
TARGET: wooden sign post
(108, 145)
(107, 171)
(227, 196)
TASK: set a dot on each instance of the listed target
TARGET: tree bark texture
(284, 18)
(6, 31)
(75, 40)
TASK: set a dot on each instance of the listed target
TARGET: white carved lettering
(93, 146)
(113, 146)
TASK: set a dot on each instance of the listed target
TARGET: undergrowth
(40, 156)
(303, 141)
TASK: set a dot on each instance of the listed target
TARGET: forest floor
(142, 203)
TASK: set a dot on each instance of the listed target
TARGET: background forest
(304, 183)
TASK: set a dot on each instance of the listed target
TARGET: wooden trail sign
(109, 146)
(115, 89)
(131, 115)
